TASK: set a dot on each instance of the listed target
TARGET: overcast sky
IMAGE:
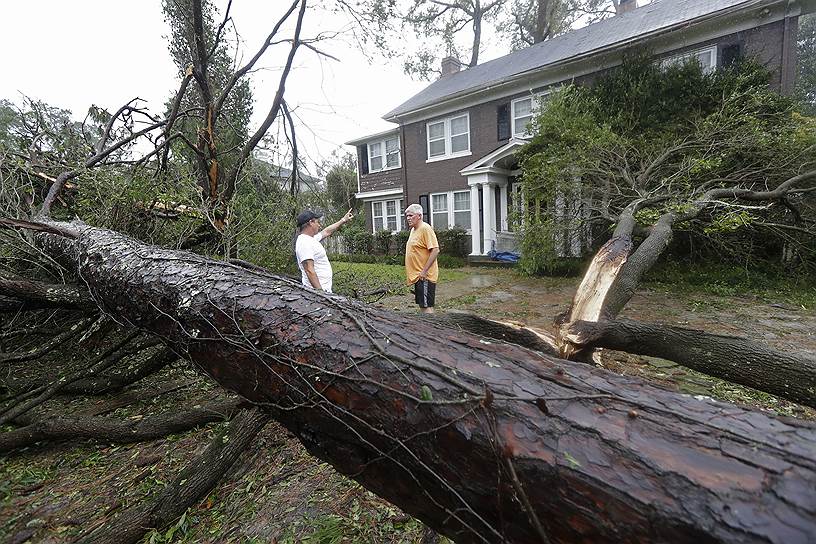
(105, 52)
(72, 54)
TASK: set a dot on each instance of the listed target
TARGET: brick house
(453, 146)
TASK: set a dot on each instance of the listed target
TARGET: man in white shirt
(315, 268)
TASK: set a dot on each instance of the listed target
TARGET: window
(522, 115)
(450, 209)
(706, 57)
(439, 213)
(375, 159)
(387, 215)
(449, 137)
(384, 155)
(522, 111)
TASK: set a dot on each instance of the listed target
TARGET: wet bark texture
(728, 357)
(484, 442)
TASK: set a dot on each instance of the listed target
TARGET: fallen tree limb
(49, 346)
(121, 432)
(731, 358)
(108, 358)
(433, 419)
(122, 375)
(35, 294)
(194, 482)
(497, 330)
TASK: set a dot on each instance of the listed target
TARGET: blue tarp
(504, 256)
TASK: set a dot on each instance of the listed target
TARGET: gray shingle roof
(660, 14)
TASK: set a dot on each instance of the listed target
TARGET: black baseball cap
(307, 216)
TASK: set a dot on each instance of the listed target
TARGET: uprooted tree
(483, 441)
(648, 151)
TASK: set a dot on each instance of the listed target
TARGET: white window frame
(451, 208)
(447, 137)
(535, 108)
(682, 57)
(385, 215)
(384, 154)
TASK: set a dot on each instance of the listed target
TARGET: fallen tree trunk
(728, 357)
(484, 442)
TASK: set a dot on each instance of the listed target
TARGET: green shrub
(400, 240)
(359, 241)
(453, 242)
(382, 241)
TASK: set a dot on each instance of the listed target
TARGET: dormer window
(448, 138)
(384, 155)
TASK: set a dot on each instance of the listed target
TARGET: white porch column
(489, 216)
(503, 207)
(475, 245)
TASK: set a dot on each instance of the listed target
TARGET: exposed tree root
(122, 432)
(192, 483)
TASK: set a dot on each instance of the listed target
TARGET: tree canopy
(661, 138)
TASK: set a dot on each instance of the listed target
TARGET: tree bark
(731, 358)
(484, 442)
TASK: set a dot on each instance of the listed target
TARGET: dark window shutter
(503, 122)
(731, 54)
(426, 209)
(362, 152)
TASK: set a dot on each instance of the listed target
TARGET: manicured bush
(453, 242)
(382, 241)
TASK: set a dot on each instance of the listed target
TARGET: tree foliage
(652, 140)
(463, 28)
(341, 181)
(806, 53)
(527, 22)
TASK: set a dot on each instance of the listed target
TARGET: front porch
(493, 193)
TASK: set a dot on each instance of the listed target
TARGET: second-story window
(522, 115)
(449, 137)
(384, 155)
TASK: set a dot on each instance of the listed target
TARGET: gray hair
(414, 208)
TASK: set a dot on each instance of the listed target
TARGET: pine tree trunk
(484, 442)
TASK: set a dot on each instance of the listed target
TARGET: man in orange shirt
(421, 269)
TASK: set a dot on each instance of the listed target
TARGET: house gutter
(608, 48)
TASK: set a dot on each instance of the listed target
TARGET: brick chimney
(450, 65)
(625, 6)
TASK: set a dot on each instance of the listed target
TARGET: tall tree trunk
(484, 442)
